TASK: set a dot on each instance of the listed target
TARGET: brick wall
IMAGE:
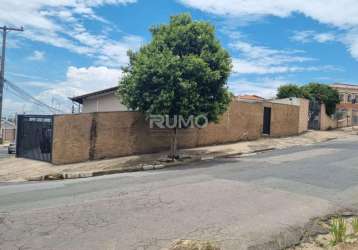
(8, 134)
(284, 119)
(327, 122)
(303, 117)
(71, 138)
(92, 136)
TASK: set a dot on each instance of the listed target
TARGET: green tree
(320, 93)
(289, 90)
(183, 71)
(323, 94)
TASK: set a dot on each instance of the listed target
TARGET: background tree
(182, 71)
(321, 93)
(289, 90)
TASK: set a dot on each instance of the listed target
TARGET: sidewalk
(17, 169)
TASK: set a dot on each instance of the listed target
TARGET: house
(249, 98)
(104, 100)
(348, 95)
(8, 130)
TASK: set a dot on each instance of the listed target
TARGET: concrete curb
(149, 167)
(250, 153)
(77, 175)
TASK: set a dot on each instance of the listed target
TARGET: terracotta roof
(344, 85)
(80, 98)
(251, 97)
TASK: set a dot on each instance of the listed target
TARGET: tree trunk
(173, 147)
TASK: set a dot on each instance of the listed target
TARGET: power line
(4, 29)
(24, 99)
(28, 97)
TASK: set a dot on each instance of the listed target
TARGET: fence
(93, 136)
(354, 117)
(34, 137)
(62, 139)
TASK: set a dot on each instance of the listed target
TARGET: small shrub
(193, 245)
(338, 230)
(355, 225)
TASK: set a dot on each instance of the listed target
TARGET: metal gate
(267, 121)
(34, 137)
(314, 115)
(354, 117)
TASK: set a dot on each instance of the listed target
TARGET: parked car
(11, 148)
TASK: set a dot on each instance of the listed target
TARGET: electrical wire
(29, 98)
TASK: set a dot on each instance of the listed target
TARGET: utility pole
(2, 73)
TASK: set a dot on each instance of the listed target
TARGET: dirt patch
(193, 245)
(319, 233)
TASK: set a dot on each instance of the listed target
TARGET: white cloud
(264, 87)
(341, 14)
(37, 56)
(306, 36)
(60, 23)
(78, 81)
(82, 79)
(13, 106)
(115, 53)
(263, 60)
(252, 67)
(351, 40)
(325, 37)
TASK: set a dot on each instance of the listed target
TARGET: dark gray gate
(314, 115)
(354, 117)
(34, 137)
(267, 121)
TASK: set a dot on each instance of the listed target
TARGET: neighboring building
(348, 95)
(253, 98)
(100, 101)
(8, 130)
(106, 100)
(291, 101)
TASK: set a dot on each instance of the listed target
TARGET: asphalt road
(3, 152)
(238, 202)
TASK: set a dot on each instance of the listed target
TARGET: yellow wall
(101, 135)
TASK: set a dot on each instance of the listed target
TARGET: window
(341, 97)
(349, 98)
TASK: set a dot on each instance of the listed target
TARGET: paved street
(3, 153)
(239, 202)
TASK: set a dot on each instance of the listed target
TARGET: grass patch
(355, 225)
(338, 231)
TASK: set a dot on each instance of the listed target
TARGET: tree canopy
(321, 93)
(182, 71)
(289, 90)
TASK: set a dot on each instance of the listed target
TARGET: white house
(104, 100)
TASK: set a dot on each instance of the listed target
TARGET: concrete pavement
(3, 153)
(20, 169)
(238, 202)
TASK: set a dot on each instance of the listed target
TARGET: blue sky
(72, 47)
